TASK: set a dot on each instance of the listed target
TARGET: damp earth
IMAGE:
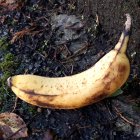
(64, 37)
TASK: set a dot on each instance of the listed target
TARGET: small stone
(123, 126)
(137, 131)
(39, 110)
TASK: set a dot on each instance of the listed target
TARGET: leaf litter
(12, 126)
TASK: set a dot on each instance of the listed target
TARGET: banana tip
(9, 82)
(128, 22)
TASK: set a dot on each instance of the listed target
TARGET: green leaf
(118, 92)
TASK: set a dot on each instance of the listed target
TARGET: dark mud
(37, 50)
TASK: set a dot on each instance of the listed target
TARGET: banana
(90, 86)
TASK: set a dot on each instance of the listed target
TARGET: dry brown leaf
(12, 126)
(8, 1)
(11, 4)
(48, 135)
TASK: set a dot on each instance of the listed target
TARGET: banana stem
(121, 46)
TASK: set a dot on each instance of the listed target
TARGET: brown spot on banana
(35, 98)
(84, 82)
(51, 105)
(108, 86)
(36, 101)
(122, 68)
(96, 97)
(42, 104)
(101, 95)
(106, 76)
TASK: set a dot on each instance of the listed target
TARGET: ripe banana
(90, 86)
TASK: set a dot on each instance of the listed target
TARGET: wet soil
(36, 50)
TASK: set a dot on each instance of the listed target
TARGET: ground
(32, 43)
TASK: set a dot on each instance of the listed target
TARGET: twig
(15, 105)
(71, 69)
(97, 19)
(76, 54)
(125, 119)
(83, 127)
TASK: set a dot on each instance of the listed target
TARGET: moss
(9, 57)
(7, 68)
(3, 44)
(28, 109)
(2, 40)
(32, 110)
(7, 63)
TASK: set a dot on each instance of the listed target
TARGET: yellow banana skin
(70, 92)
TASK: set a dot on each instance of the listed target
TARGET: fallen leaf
(118, 92)
(11, 4)
(48, 135)
(12, 126)
(7, 1)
